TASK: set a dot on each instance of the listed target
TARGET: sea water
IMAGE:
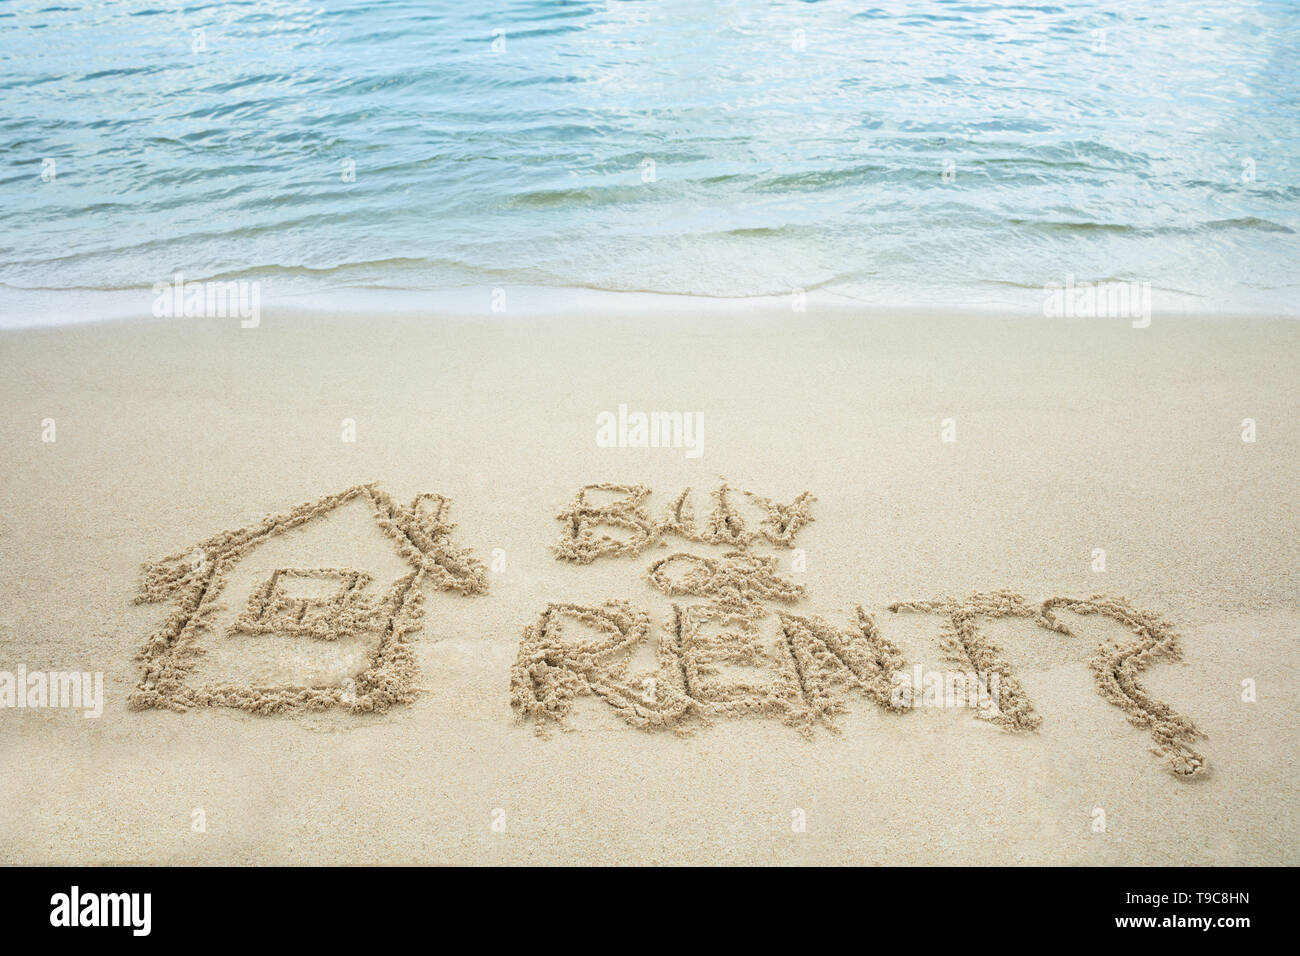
(950, 153)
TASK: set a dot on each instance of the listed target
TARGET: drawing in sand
(805, 663)
(313, 606)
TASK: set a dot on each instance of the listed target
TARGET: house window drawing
(275, 609)
(315, 608)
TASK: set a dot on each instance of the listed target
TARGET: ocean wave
(931, 147)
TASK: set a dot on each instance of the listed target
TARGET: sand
(473, 635)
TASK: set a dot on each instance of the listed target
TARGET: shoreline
(22, 309)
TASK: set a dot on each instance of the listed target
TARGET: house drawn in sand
(259, 623)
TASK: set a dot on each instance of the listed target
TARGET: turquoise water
(957, 153)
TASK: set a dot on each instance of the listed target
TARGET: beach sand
(1070, 436)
